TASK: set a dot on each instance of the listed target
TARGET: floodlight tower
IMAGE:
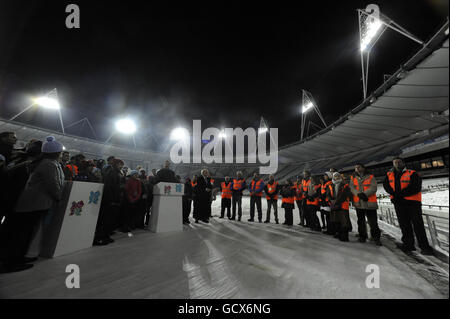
(48, 101)
(308, 104)
(125, 126)
(372, 25)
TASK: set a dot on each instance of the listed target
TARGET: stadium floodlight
(309, 104)
(372, 25)
(372, 30)
(263, 130)
(179, 134)
(222, 135)
(307, 107)
(47, 101)
(126, 126)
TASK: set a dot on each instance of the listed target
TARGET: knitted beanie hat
(52, 146)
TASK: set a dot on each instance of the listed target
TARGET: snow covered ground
(229, 260)
(434, 192)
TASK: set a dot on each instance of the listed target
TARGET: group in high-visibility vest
(405, 189)
(332, 197)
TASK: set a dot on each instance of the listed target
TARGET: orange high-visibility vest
(316, 200)
(304, 188)
(272, 188)
(366, 186)
(291, 199)
(323, 190)
(256, 185)
(194, 184)
(237, 184)
(73, 169)
(404, 182)
(212, 181)
(226, 190)
(344, 205)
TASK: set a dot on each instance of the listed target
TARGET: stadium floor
(224, 260)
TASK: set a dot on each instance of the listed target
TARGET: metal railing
(436, 225)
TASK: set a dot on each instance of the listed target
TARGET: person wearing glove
(405, 189)
(364, 189)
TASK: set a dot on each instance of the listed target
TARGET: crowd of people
(32, 182)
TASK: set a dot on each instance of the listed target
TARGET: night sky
(225, 63)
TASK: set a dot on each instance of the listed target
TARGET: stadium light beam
(373, 27)
(47, 102)
(222, 135)
(126, 126)
(307, 107)
(179, 134)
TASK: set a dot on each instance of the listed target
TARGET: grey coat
(44, 187)
(369, 192)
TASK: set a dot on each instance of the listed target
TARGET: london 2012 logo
(167, 190)
(76, 208)
(93, 197)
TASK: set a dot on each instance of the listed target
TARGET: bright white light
(372, 29)
(307, 107)
(263, 130)
(126, 126)
(47, 102)
(222, 134)
(179, 134)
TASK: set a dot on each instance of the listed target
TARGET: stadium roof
(404, 111)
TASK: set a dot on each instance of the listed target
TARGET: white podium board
(72, 223)
(167, 209)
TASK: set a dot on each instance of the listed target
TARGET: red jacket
(133, 190)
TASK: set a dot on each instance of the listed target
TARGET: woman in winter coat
(42, 190)
(340, 195)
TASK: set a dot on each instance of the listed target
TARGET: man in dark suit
(203, 193)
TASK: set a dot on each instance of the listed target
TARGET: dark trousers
(16, 235)
(289, 216)
(107, 220)
(303, 212)
(129, 214)
(140, 214)
(147, 212)
(272, 203)
(372, 219)
(311, 217)
(323, 217)
(195, 212)
(411, 222)
(186, 209)
(327, 220)
(225, 204)
(237, 200)
(255, 200)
